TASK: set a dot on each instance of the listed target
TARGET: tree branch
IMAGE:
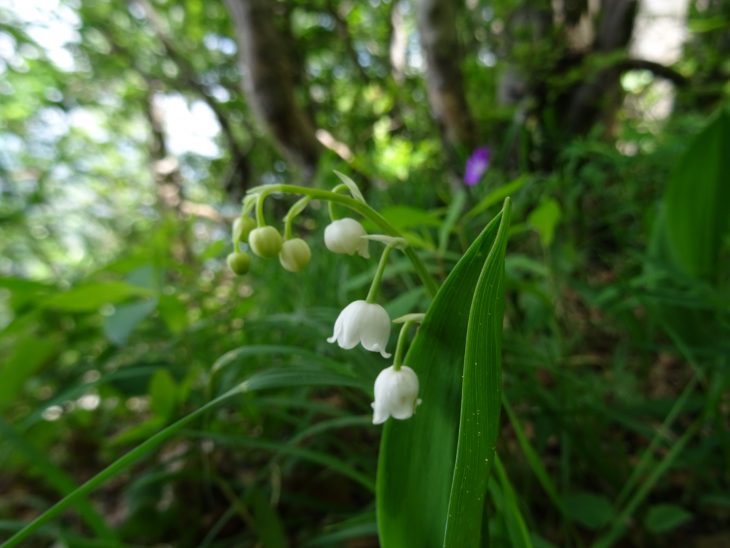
(663, 71)
(191, 79)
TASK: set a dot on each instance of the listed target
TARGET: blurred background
(130, 131)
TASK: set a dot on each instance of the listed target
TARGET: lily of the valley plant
(363, 322)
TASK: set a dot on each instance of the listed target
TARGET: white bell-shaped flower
(364, 323)
(396, 394)
(346, 236)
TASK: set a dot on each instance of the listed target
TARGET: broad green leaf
(163, 394)
(28, 354)
(125, 318)
(418, 457)
(545, 219)
(90, 297)
(662, 518)
(481, 398)
(697, 201)
(173, 313)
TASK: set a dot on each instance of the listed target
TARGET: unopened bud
(265, 241)
(242, 227)
(294, 255)
(239, 262)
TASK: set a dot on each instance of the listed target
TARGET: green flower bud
(294, 255)
(242, 227)
(239, 262)
(265, 242)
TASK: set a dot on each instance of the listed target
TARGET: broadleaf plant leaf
(481, 397)
(697, 201)
(418, 457)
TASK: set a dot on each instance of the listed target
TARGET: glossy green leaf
(697, 201)
(437, 463)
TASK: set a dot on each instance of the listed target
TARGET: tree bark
(440, 45)
(269, 82)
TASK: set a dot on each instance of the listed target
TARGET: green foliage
(697, 203)
(455, 352)
(149, 397)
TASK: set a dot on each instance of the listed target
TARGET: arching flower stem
(401, 344)
(260, 219)
(359, 207)
(294, 210)
(375, 285)
(330, 204)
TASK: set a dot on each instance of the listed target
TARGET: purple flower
(476, 165)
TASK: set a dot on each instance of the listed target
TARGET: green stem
(260, 220)
(400, 345)
(364, 210)
(375, 285)
(330, 204)
(294, 210)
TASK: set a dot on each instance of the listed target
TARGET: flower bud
(242, 227)
(265, 241)
(396, 394)
(294, 255)
(346, 236)
(239, 262)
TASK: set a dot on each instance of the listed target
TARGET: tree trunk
(269, 81)
(440, 45)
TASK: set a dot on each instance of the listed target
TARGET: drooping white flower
(346, 236)
(364, 323)
(396, 394)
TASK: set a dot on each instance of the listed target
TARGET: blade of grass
(455, 209)
(316, 457)
(518, 531)
(58, 479)
(265, 380)
(619, 525)
(533, 459)
(646, 458)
